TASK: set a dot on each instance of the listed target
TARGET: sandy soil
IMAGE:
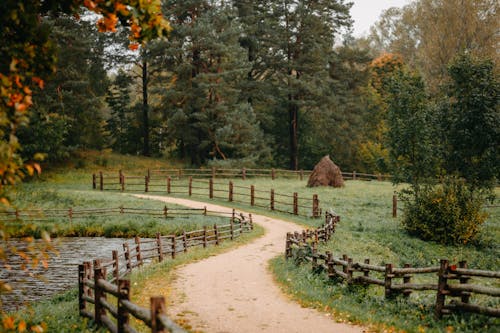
(235, 292)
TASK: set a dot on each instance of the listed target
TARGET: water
(62, 272)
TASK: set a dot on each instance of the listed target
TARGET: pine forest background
(277, 83)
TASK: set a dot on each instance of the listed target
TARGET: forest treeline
(279, 83)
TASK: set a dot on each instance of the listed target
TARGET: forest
(273, 83)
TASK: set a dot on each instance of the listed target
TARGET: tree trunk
(293, 112)
(145, 109)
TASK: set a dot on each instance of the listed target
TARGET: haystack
(326, 173)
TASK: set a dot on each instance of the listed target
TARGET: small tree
(472, 122)
(411, 129)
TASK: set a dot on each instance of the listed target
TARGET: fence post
(252, 195)
(82, 304)
(273, 174)
(169, 184)
(94, 181)
(128, 261)
(211, 188)
(174, 247)
(243, 173)
(101, 181)
(213, 172)
(379, 177)
(149, 173)
(464, 279)
(366, 272)
(315, 206)
(138, 250)
(122, 210)
(395, 205)
(349, 270)
(116, 270)
(190, 189)
(123, 182)
(204, 236)
(160, 248)
(184, 241)
(205, 210)
(123, 295)
(388, 275)
(88, 275)
(272, 199)
(216, 233)
(99, 310)
(230, 191)
(165, 211)
(354, 175)
(70, 214)
(441, 288)
(146, 184)
(329, 263)
(406, 279)
(251, 222)
(295, 203)
(288, 248)
(301, 174)
(157, 306)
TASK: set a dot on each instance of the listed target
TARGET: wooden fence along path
(40, 215)
(103, 278)
(453, 281)
(285, 203)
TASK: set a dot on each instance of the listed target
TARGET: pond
(61, 274)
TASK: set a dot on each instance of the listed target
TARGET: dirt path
(235, 292)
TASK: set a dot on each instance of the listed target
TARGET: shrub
(449, 213)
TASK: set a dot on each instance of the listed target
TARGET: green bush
(449, 213)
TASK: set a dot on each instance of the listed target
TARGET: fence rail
(105, 277)
(39, 215)
(453, 281)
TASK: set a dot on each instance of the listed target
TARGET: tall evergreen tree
(205, 65)
(291, 43)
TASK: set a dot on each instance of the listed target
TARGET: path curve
(235, 292)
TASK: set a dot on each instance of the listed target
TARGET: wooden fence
(286, 203)
(453, 281)
(40, 215)
(103, 278)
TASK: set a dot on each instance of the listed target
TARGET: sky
(366, 12)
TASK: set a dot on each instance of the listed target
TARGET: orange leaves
(8, 322)
(38, 81)
(107, 23)
(133, 46)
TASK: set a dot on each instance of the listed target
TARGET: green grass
(366, 230)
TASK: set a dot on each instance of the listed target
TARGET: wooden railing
(39, 215)
(398, 281)
(250, 195)
(104, 278)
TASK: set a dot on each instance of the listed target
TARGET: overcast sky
(366, 12)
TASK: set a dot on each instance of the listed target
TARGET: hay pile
(326, 173)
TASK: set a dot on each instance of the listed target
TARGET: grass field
(366, 230)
